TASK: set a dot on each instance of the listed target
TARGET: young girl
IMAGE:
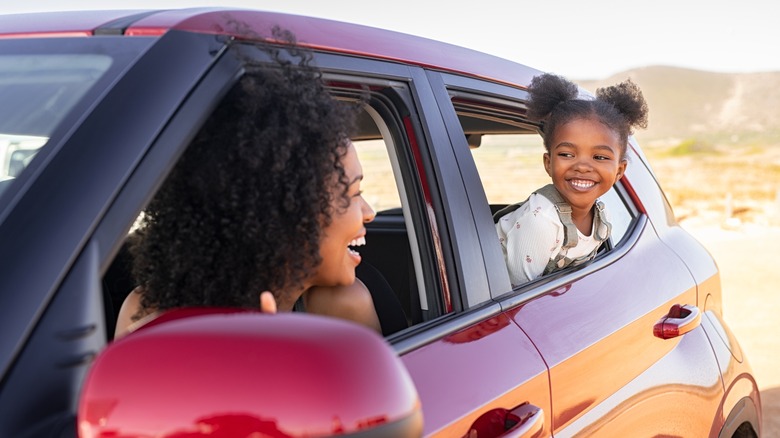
(564, 224)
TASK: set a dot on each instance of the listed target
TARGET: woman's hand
(267, 302)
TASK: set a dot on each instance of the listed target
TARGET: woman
(266, 198)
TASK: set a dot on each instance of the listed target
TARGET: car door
(595, 326)
(475, 371)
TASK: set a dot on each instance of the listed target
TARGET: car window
(397, 249)
(398, 246)
(380, 187)
(510, 167)
(36, 92)
(508, 150)
(620, 215)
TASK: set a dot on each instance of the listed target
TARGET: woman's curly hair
(244, 209)
(554, 101)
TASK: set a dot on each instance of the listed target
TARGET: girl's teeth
(583, 184)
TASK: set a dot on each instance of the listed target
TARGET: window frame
(383, 100)
(497, 95)
(462, 280)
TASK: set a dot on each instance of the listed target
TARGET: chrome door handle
(680, 320)
(524, 421)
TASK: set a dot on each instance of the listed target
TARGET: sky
(580, 39)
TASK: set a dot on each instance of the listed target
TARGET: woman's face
(346, 230)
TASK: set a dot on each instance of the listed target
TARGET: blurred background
(710, 72)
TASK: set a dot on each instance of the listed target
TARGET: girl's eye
(602, 157)
(565, 154)
(358, 194)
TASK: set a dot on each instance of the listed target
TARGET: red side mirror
(218, 373)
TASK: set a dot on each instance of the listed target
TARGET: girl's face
(584, 161)
(345, 230)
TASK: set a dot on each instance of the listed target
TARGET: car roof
(316, 33)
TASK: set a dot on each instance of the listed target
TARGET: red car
(95, 108)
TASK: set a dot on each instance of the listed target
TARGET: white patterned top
(532, 235)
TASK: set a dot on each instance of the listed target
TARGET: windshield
(36, 92)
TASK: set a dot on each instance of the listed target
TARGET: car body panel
(59, 24)
(448, 375)
(590, 330)
(681, 400)
(320, 34)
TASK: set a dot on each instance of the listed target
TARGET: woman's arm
(353, 303)
(125, 322)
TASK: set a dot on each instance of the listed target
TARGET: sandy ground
(750, 276)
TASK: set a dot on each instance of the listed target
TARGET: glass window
(36, 92)
(399, 248)
(508, 153)
(510, 166)
(392, 265)
(379, 183)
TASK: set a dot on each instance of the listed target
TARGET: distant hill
(715, 108)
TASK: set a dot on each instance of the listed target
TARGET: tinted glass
(36, 92)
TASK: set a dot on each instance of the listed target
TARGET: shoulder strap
(570, 237)
(602, 228)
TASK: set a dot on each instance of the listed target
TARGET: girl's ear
(621, 169)
(546, 158)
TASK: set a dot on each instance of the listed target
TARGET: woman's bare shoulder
(351, 302)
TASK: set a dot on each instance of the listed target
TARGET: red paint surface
(316, 33)
(245, 371)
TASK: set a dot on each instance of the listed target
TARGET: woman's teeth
(360, 241)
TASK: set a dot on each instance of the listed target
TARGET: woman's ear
(267, 302)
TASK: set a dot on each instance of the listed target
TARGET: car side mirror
(229, 373)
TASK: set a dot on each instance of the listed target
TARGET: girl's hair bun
(627, 98)
(546, 92)
(554, 101)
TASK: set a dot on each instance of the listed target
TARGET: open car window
(508, 150)
(397, 249)
(398, 246)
